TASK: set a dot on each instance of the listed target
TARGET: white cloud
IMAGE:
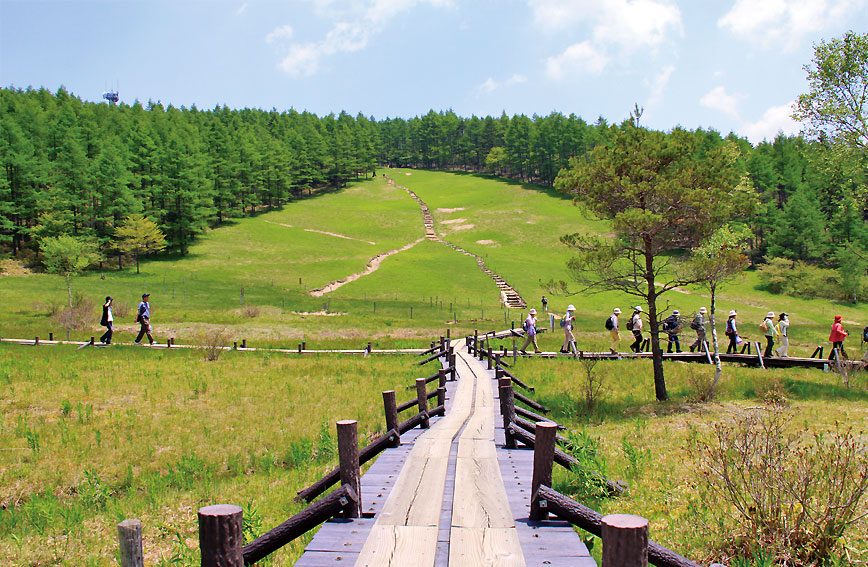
(774, 120)
(629, 24)
(581, 57)
(282, 33)
(353, 25)
(241, 9)
(490, 85)
(658, 85)
(774, 23)
(718, 99)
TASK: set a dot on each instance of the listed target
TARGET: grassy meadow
(90, 437)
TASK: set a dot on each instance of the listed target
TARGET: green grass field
(90, 437)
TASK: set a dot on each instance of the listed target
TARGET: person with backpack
(672, 326)
(732, 333)
(837, 337)
(143, 318)
(614, 331)
(698, 325)
(767, 327)
(635, 326)
(545, 304)
(567, 324)
(529, 327)
(783, 327)
(107, 321)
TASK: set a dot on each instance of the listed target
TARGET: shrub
(592, 385)
(787, 493)
(251, 311)
(83, 314)
(213, 341)
(802, 280)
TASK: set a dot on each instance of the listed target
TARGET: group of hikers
(143, 318)
(774, 329)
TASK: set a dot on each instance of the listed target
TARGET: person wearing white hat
(614, 331)
(698, 325)
(784, 331)
(529, 327)
(567, 324)
(768, 329)
(672, 326)
(635, 326)
(732, 333)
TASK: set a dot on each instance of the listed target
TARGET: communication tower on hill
(111, 96)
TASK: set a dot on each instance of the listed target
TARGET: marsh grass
(88, 438)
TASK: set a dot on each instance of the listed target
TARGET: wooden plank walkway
(451, 495)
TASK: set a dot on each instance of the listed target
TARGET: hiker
(783, 330)
(545, 304)
(143, 318)
(614, 331)
(529, 327)
(567, 324)
(672, 326)
(767, 327)
(732, 333)
(698, 325)
(635, 325)
(837, 337)
(107, 321)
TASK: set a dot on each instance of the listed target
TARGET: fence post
(422, 397)
(475, 341)
(50, 336)
(348, 459)
(36, 341)
(391, 408)
(220, 535)
(543, 458)
(243, 343)
(507, 409)
(130, 541)
(490, 357)
(441, 398)
(452, 365)
(625, 541)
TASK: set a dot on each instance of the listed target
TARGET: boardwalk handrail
(377, 446)
(590, 520)
(516, 380)
(299, 524)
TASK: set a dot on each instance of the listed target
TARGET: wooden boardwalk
(450, 495)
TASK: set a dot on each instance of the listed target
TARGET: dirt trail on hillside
(372, 266)
(327, 233)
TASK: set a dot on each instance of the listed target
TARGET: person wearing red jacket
(837, 337)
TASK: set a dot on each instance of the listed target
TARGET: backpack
(610, 325)
(670, 324)
(729, 329)
(764, 326)
(524, 325)
(865, 335)
(695, 324)
(564, 322)
(629, 324)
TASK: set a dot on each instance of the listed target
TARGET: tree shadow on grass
(550, 191)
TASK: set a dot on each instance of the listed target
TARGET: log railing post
(490, 357)
(452, 366)
(220, 535)
(36, 341)
(130, 541)
(543, 460)
(507, 409)
(50, 336)
(441, 379)
(243, 343)
(391, 407)
(422, 397)
(441, 396)
(625, 541)
(348, 459)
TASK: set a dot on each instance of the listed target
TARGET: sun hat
(770, 314)
(638, 308)
(571, 307)
(616, 311)
(837, 318)
(533, 311)
(782, 315)
(703, 310)
(733, 313)
(676, 312)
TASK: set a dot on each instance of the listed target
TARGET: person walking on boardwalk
(567, 324)
(698, 325)
(767, 327)
(545, 304)
(783, 325)
(635, 326)
(529, 327)
(837, 337)
(732, 333)
(672, 326)
(614, 330)
(143, 318)
(107, 321)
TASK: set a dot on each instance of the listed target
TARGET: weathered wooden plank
(395, 546)
(476, 547)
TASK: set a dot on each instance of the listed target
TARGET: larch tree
(68, 256)
(662, 193)
(139, 234)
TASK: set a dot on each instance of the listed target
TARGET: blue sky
(731, 65)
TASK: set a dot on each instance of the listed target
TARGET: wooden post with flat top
(130, 541)
(625, 541)
(507, 409)
(221, 540)
(348, 459)
(543, 460)
(422, 398)
(391, 408)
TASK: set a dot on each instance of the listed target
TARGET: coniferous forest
(78, 168)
